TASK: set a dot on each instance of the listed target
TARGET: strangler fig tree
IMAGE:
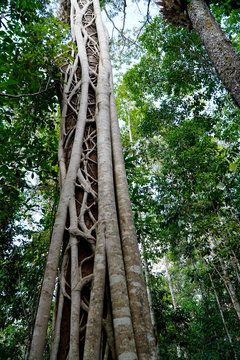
(100, 311)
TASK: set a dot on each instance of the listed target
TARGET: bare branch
(27, 95)
(118, 30)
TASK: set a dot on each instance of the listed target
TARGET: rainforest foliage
(180, 132)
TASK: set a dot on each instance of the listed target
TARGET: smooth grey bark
(219, 48)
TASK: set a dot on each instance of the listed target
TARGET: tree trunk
(220, 50)
(129, 126)
(222, 315)
(230, 288)
(236, 265)
(225, 277)
(170, 283)
(147, 281)
(101, 309)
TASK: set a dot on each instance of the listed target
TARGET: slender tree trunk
(170, 283)
(230, 288)
(149, 293)
(222, 315)
(220, 50)
(233, 259)
(235, 268)
(236, 262)
(147, 280)
(129, 126)
(101, 305)
(225, 277)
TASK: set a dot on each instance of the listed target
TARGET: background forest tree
(181, 141)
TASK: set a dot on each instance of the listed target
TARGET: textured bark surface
(220, 50)
(101, 311)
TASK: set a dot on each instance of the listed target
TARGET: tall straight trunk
(129, 126)
(236, 265)
(225, 277)
(230, 287)
(101, 309)
(170, 283)
(149, 293)
(222, 315)
(235, 268)
(147, 281)
(220, 50)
